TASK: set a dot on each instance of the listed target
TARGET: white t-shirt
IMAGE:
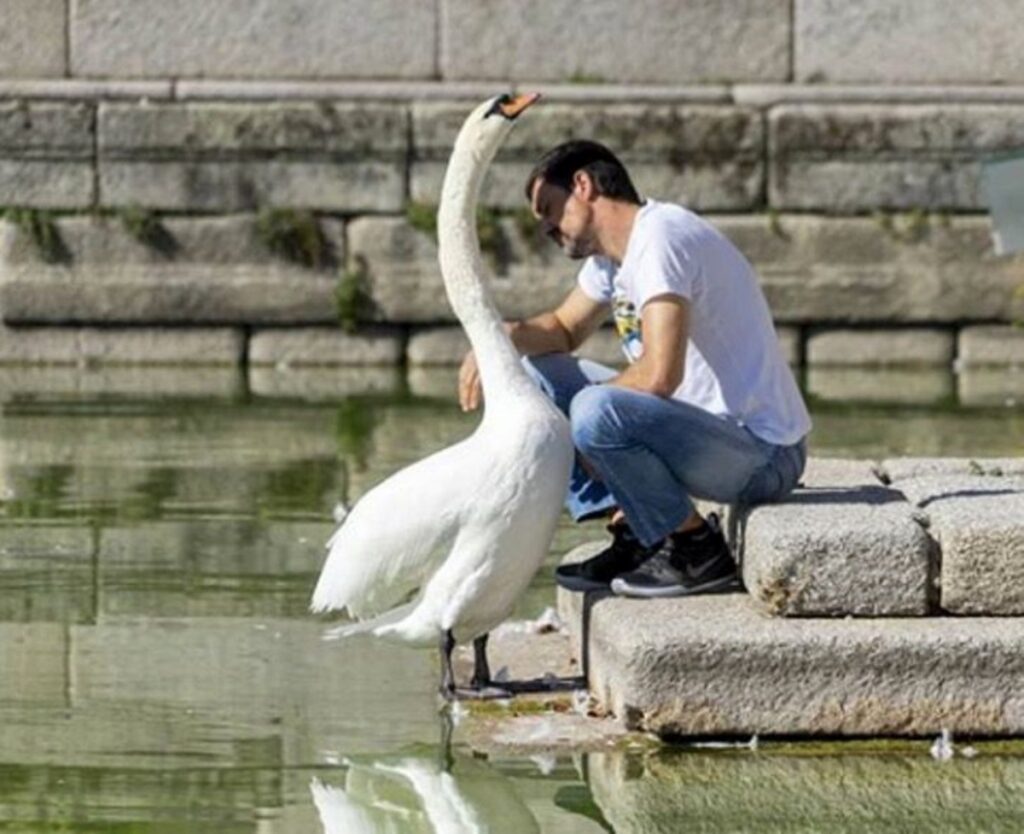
(734, 365)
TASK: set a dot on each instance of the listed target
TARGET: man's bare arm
(659, 371)
(561, 330)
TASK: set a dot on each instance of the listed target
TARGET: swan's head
(486, 127)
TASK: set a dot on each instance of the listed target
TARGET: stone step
(717, 665)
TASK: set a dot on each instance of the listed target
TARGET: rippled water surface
(160, 531)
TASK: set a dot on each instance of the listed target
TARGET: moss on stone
(41, 229)
(293, 235)
(146, 227)
(352, 295)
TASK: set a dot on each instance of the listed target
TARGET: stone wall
(146, 150)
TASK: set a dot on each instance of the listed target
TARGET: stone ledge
(978, 521)
(84, 88)
(326, 346)
(767, 95)
(991, 345)
(919, 346)
(841, 545)
(715, 665)
(121, 345)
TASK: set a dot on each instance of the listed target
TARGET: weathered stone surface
(987, 386)
(850, 158)
(437, 346)
(792, 343)
(993, 345)
(32, 40)
(137, 382)
(767, 95)
(405, 280)
(846, 270)
(326, 346)
(612, 41)
(978, 521)
(313, 383)
(920, 41)
(715, 665)
(897, 470)
(204, 270)
(604, 347)
(834, 551)
(33, 657)
(46, 151)
(121, 345)
(84, 88)
(708, 157)
(46, 570)
(231, 156)
(268, 38)
(920, 346)
(897, 386)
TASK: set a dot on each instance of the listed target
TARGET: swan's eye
(499, 105)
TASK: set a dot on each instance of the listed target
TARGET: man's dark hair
(560, 164)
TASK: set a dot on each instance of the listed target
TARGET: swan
(464, 530)
(418, 794)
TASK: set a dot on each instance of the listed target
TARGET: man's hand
(471, 393)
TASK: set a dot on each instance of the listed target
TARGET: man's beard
(579, 248)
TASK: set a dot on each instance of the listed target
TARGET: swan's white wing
(396, 535)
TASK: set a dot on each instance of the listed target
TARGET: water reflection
(456, 794)
(160, 532)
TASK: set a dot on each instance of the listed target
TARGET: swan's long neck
(464, 272)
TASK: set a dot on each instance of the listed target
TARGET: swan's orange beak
(517, 104)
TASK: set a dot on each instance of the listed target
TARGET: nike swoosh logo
(696, 573)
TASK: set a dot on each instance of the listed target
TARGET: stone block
(768, 95)
(326, 346)
(855, 158)
(85, 88)
(991, 386)
(604, 347)
(46, 154)
(920, 346)
(895, 386)
(121, 345)
(32, 38)
(210, 383)
(715, 665)
(792, 344)
(199, 271)
(708, 157)
(616, 42)
(404, 278)
(312, 383)
(263, 39)
(915, 42)
(978, 521)
(991, 345)
(820, 270)
(836, 551)
(226, 157)
(437, 346)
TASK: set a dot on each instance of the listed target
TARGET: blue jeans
(651, 455)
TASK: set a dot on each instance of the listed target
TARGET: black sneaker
(686, 563)
(623, 555)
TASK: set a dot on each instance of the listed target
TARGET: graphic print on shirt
(627, 324)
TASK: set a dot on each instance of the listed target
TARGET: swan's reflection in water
(414, 794)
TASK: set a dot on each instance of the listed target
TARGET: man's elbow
(664, 384)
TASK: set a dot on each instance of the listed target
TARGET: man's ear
(583, 186)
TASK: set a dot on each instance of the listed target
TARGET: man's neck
(616, 225)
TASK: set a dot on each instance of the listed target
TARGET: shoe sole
(624, 589)
(580, 584)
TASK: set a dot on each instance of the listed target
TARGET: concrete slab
(844, 347)
(991, 345)
(370, 345)
(978, 521)
(32, 38)
(716, 665)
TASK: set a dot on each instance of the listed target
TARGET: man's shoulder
(671, 219)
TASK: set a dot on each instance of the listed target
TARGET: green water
(160, 531)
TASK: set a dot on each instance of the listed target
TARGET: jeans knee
(588, 415)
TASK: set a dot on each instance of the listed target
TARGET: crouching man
(707, 406)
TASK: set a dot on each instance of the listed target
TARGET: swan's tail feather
(369, 626)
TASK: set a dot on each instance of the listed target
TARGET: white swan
(417, 794)
(468, 526)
